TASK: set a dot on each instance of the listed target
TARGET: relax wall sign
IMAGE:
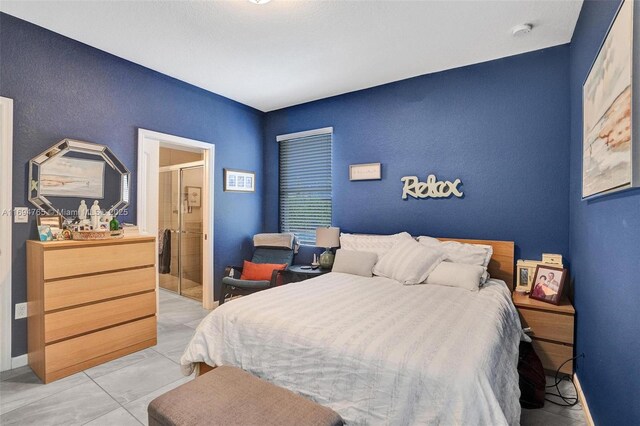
(432, 188)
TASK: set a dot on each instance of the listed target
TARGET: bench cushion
(230, 396)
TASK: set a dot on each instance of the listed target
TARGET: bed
(375, 351)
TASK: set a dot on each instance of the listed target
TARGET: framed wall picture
(607, 151)
(54, 222)
(239, 181)
(72, 177)
(194, 194)
(548, 283)
(368, 171)
(44, 231)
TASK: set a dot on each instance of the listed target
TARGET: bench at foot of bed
(230, 396)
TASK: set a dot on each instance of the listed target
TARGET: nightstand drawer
(548, 325)
(553, 355)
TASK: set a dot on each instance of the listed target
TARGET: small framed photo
(548, 283)
(44, 231)
(369, 171)
(53, 222)
(239, 181)
(194, 194)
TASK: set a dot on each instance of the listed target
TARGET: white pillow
(354, 262)
(378, 244)
(457, 275)
(408, 262)
(470, 254)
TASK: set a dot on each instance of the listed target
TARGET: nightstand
(551, 330)
(296, 273)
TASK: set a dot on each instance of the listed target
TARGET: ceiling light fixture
(521, 29)
(259, 1)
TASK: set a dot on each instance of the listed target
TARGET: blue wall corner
(62, 88)
(605, 254)
(500, 126)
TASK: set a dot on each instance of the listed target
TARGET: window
(305, 183)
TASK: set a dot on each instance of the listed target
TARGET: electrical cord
(569, 401)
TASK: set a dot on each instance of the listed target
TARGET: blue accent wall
(605, 253)
(500, 126)
(62, 88)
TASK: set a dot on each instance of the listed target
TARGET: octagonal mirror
(73, 170)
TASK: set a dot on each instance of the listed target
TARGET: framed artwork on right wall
(609, 155)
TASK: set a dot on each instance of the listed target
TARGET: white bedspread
(375, 351)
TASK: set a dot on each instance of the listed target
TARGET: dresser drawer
(69, 262)
(548, 325)
(94, 348)
(72, 322)
(553, 355)
(77, 291)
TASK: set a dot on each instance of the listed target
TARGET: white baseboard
(19, 361)
(583, 401)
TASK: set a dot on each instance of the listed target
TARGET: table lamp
(327, 237)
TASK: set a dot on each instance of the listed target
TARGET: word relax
(432, 188)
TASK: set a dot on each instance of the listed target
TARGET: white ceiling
(288, 52)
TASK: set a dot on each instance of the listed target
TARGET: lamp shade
(328, 237)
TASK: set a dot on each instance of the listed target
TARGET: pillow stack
(465, 265)
(426, 261)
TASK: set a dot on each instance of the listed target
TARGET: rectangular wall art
(72, 177)
(607, 113)
(239, 181)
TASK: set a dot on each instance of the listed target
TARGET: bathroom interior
(180, 220)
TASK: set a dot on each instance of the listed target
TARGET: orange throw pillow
(260, 271)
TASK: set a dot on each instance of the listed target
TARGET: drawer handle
(527, 330)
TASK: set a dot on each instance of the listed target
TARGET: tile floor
(113, 394)
(117, 393)
(190, 288)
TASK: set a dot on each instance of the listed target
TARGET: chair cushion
(245, 283)
(272, 255)
(232, 397)
(260, 271)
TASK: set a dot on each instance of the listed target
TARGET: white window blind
(305, 185)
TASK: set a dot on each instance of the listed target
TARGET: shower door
(180, 228)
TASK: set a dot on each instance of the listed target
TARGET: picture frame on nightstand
(548, 283)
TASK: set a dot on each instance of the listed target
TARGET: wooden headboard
(502, 262)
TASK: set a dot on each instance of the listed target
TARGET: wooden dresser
(89, 302)
(551, 330)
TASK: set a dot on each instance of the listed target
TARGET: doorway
(180, 222)
(149, 146)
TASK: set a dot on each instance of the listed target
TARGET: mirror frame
(60, 149)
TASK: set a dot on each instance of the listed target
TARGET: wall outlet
(21, 310)
(21, 215)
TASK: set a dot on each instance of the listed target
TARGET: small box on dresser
(89, 302)
(551, 330)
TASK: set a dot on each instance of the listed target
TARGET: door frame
(149, 143)
(6, 210)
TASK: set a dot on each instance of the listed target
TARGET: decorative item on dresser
(89, 302)
(550, 328)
